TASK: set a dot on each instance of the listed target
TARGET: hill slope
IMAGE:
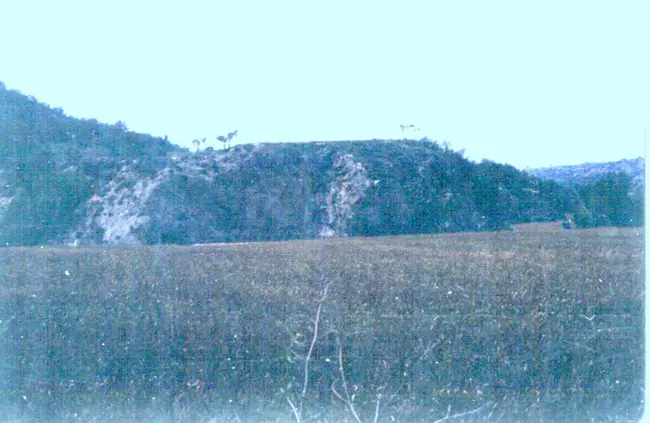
(51, 163)
(65, 180)
(586, 173)
(307, 190)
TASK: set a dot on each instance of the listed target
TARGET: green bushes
(610, 202)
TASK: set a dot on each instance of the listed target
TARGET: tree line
(610, 201)
(225, 139)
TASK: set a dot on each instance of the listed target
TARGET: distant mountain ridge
(582, 174)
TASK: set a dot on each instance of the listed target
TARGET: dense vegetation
(51, 165)
(610, 201)
(532, 325)
(588, 173)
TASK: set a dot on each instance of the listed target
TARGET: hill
(65, 180)
(611, 194)
(586, 173)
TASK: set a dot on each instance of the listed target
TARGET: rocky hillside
(64, 180)
(50, 164)
(308, 190)
(587, 173)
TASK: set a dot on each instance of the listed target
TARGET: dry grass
(522, 326)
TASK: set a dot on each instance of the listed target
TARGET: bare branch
(336, 392)
(466, 413)
(313, 340)
(377, 408)
(345, 385)
(295, 411)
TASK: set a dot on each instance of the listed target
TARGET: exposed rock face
(299, 191)
(118, 212)
(65, 180)
(278, 192)
(5, 196)
(4, 204)
(347, 188)
(252, 192)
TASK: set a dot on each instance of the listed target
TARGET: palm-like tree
(411, 127)
(223, 139)
(231, 136)
(197, 142)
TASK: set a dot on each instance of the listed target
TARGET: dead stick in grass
(377, 408)
(296, 414)
(466, 413)
(313, 340)
(348, 400)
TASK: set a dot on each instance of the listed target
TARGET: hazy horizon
(528, 85)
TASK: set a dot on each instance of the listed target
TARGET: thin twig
(492, 411)
(314, 417)
(466, 413)
(579, 345)
(426, 350)
(336, 393)
(377, 408)
(313, 341)
(295, 411)
(345, 385)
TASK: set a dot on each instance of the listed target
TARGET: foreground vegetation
(537, 324)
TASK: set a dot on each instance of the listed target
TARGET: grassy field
(537, 324)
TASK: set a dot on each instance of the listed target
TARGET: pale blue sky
(521, 82)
